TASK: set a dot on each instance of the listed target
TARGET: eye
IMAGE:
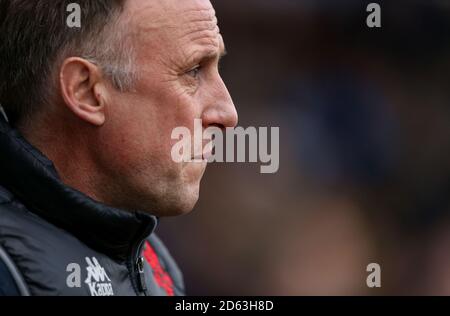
(194, 72)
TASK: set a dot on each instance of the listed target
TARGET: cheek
(128, 136)
(176, 111)
(143, 123)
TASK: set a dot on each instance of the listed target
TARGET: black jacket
(55, 240)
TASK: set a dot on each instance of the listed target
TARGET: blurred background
(364, 117)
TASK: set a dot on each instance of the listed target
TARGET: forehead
(183, 26)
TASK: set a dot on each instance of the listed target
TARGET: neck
(115, 231)
(68, 145)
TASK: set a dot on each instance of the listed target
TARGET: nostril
(234, 118)
(220, 114)
(219, 126)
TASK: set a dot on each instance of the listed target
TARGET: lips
(205, 155)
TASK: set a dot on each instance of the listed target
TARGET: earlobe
(82, 90)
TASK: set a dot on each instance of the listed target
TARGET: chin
(186, 202)
(185, 195)
(178, 202)
(175, 197)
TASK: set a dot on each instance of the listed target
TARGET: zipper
(136, 266)
(141, 278)
(136, 262)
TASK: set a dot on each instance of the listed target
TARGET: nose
(221, 111)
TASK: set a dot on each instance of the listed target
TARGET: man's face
(178, 47)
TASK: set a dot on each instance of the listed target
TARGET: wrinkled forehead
(174, 21)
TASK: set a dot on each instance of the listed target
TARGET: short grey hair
(35, 39)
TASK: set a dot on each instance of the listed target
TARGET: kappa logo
(98, 281)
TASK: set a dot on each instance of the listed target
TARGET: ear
(83, 90)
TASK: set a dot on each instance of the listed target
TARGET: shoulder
(10, 277)
(12, 283)
(7, 286)
(35, 249)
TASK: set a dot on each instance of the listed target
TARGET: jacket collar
(32, 178)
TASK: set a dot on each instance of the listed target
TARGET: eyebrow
(211, 54)
(223, 53)
(223, 49)
(214, 54)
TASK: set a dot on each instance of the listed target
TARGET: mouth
(207, 155)
(203, 157)
(202, 154)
